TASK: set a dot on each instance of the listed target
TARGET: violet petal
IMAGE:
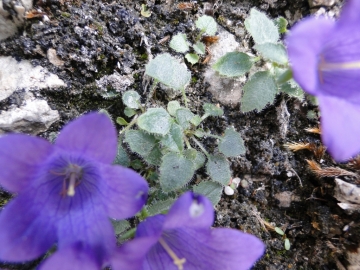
(305, 42)
(20, 158)
(73, 257)
(92, 135)
(26, 231)
(125, 192)
(190, 210)
(340, 127)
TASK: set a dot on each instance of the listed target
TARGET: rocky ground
(77, 56)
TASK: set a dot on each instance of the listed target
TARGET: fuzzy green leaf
(168, 70)
(154, 157)
(175, 171)
(261, 28)
(232, 144)
(120, 226)
(140, 142)
(213, 110)
(279, 231)
(233, 64)
(122, 157)
(121, 121)
(258, 91)
(207, 25)
(196, 157)
(196, 120)
(179, 43)
(292, 89)
(199, 48)
(193, 58)
(218, 169)
(155, 120)
(200, 133)
(129, 112)
(287, 244)
(160, 207)
(273, 52)
(209, 189)
(172, 107)
(174, 139)
(281, 24)
(183, 117)
(131, 99)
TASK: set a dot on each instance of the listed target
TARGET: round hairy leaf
(273, 52)
(172, 107)
(122, 157)
(233, 64)
(129, 112)
(232, 145)
(218, 169)
(292, 89)
(213, 110)
(167, 70)
(154, 157)
(199, 47)
(258, 91)
(193, 58)
(175, 171)
(196, 157)
(209, 189)
(196, 120)
(155, 120)
(160, 207)
(140, 142)
(207, 25)
(131, 99)
(179, 43)
(287, 244)
(183, 117)
(174, 139)
(261, 28)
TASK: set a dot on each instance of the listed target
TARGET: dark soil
(92, 37)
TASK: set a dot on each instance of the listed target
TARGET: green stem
(284, 77)
(201, 147)
(128, 234)
(204, 116)
(133, 122)
(212, 136)
(187, 142)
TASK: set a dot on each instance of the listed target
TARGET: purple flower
(65, 194)
(325, 58)
(183, 239)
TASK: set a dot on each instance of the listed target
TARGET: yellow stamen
(178, 262)
(72, 183)
(324, 66)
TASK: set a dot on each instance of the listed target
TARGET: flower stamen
(73, 174)
(324, 66)
(178, 262)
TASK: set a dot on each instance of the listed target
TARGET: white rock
(16, 75)
(228, 191)
(33, 117)
(10, 22)
(226, 90)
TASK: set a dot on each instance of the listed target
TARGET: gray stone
(9, 22)
(16, 75)
(118, 82)
(33, 117)
(316, 3)
(226, 90)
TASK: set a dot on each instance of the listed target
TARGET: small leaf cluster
(206, 25)
(262, 86)
(169, 139)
